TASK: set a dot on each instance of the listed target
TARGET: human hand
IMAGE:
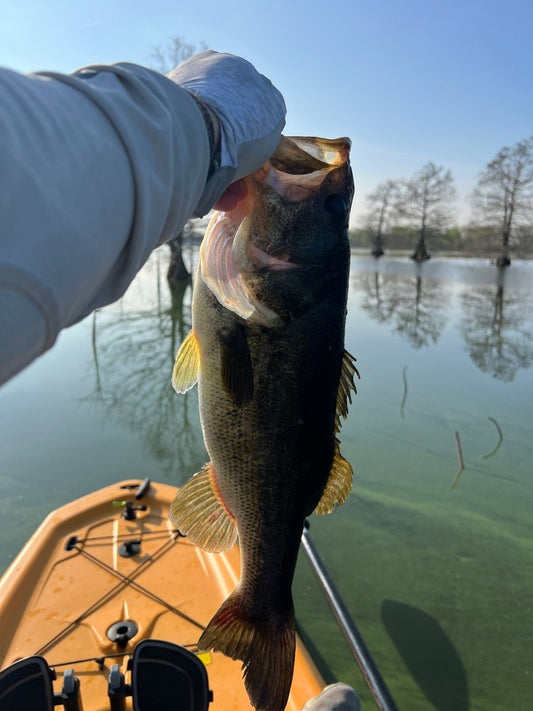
(250, 113)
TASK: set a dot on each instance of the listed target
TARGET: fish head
(289, 237)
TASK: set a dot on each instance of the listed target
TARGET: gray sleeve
(96, 170)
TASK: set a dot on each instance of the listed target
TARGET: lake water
(438, 578)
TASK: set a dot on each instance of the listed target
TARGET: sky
(409, 81)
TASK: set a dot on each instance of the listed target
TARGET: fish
(274, 382)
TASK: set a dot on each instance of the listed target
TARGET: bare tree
(504, 192)
(381, 208)
(164, 58)
(426, 199)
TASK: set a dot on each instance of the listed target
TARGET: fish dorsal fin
(199, 512)
(346, 386)
(339, 483)
(236, 364)
(187, 364)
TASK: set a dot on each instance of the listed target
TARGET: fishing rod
(374, 680)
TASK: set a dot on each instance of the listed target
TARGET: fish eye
(336, 206)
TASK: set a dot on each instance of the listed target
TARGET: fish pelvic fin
(187, 364)
(265, 647)
(340, 480)
(199, 512)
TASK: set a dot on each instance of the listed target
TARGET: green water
(439, 581)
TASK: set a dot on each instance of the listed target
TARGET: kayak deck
(108, 570)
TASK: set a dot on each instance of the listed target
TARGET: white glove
(250, 111)
(336, 697)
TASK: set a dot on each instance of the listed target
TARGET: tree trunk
(378, 250)
(504, 260)
(177, 271)
(421, 254)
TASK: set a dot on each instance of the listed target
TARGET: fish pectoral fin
(199, 512)
(236, 365)
(187, 364)
(265, 647)
(345, 388)
(338, 485)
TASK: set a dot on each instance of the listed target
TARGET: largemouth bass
(267, 350)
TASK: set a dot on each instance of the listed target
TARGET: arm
(100, 167)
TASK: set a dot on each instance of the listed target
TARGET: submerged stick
(500, 434)
(461, 460)
(402, 406)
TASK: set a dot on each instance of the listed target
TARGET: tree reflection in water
(494, 329)
(414, 305)
(133, 352)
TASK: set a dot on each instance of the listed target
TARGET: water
(438, 579)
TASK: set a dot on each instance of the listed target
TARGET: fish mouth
(231, 250)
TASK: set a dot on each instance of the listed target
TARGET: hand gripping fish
(267, 350)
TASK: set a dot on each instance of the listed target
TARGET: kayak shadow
(429, 654)
(319, 661)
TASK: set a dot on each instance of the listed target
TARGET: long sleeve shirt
(97, 169)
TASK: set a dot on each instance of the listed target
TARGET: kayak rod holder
(355, 641)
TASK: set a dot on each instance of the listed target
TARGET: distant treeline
(417, 212)
(473, 239)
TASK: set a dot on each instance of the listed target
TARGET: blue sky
(408, 80)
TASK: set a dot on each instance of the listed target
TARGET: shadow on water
(429, 655)
(319, 660)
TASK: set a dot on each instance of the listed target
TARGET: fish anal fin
(346, 386)
(265, 647)
(236, 365)
(338, 485)
(187, 364)
(199, 512)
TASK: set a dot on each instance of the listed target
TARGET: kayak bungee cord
(140, 588)
(100, 660)
(123, 582)
(157, 533)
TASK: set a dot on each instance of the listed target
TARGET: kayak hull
(100, 575)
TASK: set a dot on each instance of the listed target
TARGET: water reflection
(494, 329)
(133, 353)
(414, 305)
(495, 318)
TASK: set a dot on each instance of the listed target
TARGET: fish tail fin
(265, 647)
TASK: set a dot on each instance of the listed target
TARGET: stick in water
(500, 434)
(461, 460)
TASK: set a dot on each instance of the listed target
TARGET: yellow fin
(340, 480)
(338, 485)
(187, 364)
(346, 385)
(199, 513)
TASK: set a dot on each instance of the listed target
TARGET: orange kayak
(107, 571)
